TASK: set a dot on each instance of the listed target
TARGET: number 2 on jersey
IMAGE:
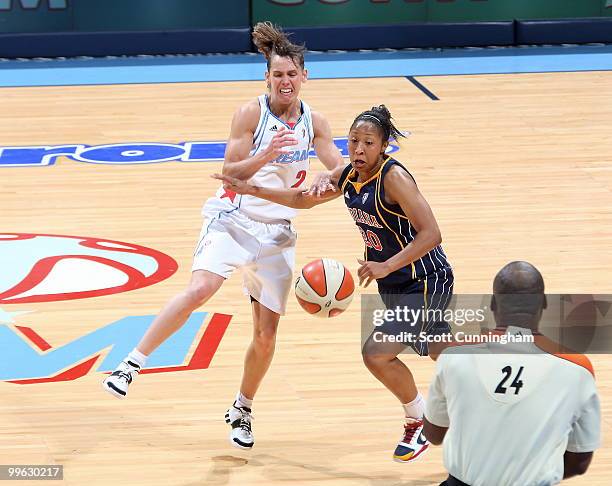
(517, 383)
(301, 177)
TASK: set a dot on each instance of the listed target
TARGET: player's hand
(280, 142)
(320, 184)
(369, 271)
(236, 185)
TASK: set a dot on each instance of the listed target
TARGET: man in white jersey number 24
(520, 413)
(269, 144)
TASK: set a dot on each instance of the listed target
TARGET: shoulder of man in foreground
(554, 349)
(546, 345)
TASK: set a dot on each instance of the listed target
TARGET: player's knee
(265, 339)
(434, 350)
(198, 294)
(374, 362)
(367, 354)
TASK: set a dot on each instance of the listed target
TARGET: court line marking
(422, 88)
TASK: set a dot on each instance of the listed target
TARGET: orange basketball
(325, 288)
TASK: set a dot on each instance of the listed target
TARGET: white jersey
(512, 416)
(288, 170)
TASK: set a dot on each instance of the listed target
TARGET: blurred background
(32, 28)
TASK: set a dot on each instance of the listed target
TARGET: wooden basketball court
(514, 167)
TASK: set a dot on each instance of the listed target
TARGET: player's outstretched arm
(293, 198)
(237, 162)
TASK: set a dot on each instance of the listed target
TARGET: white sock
(242, 401)
(137, 357)
(416, 408)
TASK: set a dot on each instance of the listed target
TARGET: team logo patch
(46, 268)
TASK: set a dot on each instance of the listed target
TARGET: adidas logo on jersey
(365, 198)
(274, 128)
(346, 195)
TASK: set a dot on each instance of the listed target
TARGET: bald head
(518, 295)
(518, 278)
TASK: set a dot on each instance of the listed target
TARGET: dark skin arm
(434, 434)
(576, 463)
(293, 198)
(401, 189)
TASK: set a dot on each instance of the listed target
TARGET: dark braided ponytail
(380, 117)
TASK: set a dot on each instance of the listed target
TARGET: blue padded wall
(72, 44)
(405, 35)
(568, 31)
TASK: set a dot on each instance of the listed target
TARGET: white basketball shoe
(240, 419)
(118, 382)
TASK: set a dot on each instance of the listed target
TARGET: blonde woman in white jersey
(268, 144)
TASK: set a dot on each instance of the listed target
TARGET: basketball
(325, 288)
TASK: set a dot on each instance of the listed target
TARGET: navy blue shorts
(418, 309)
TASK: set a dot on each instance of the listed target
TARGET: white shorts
(264, 252)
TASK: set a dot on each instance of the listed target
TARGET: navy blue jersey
(384, 227)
